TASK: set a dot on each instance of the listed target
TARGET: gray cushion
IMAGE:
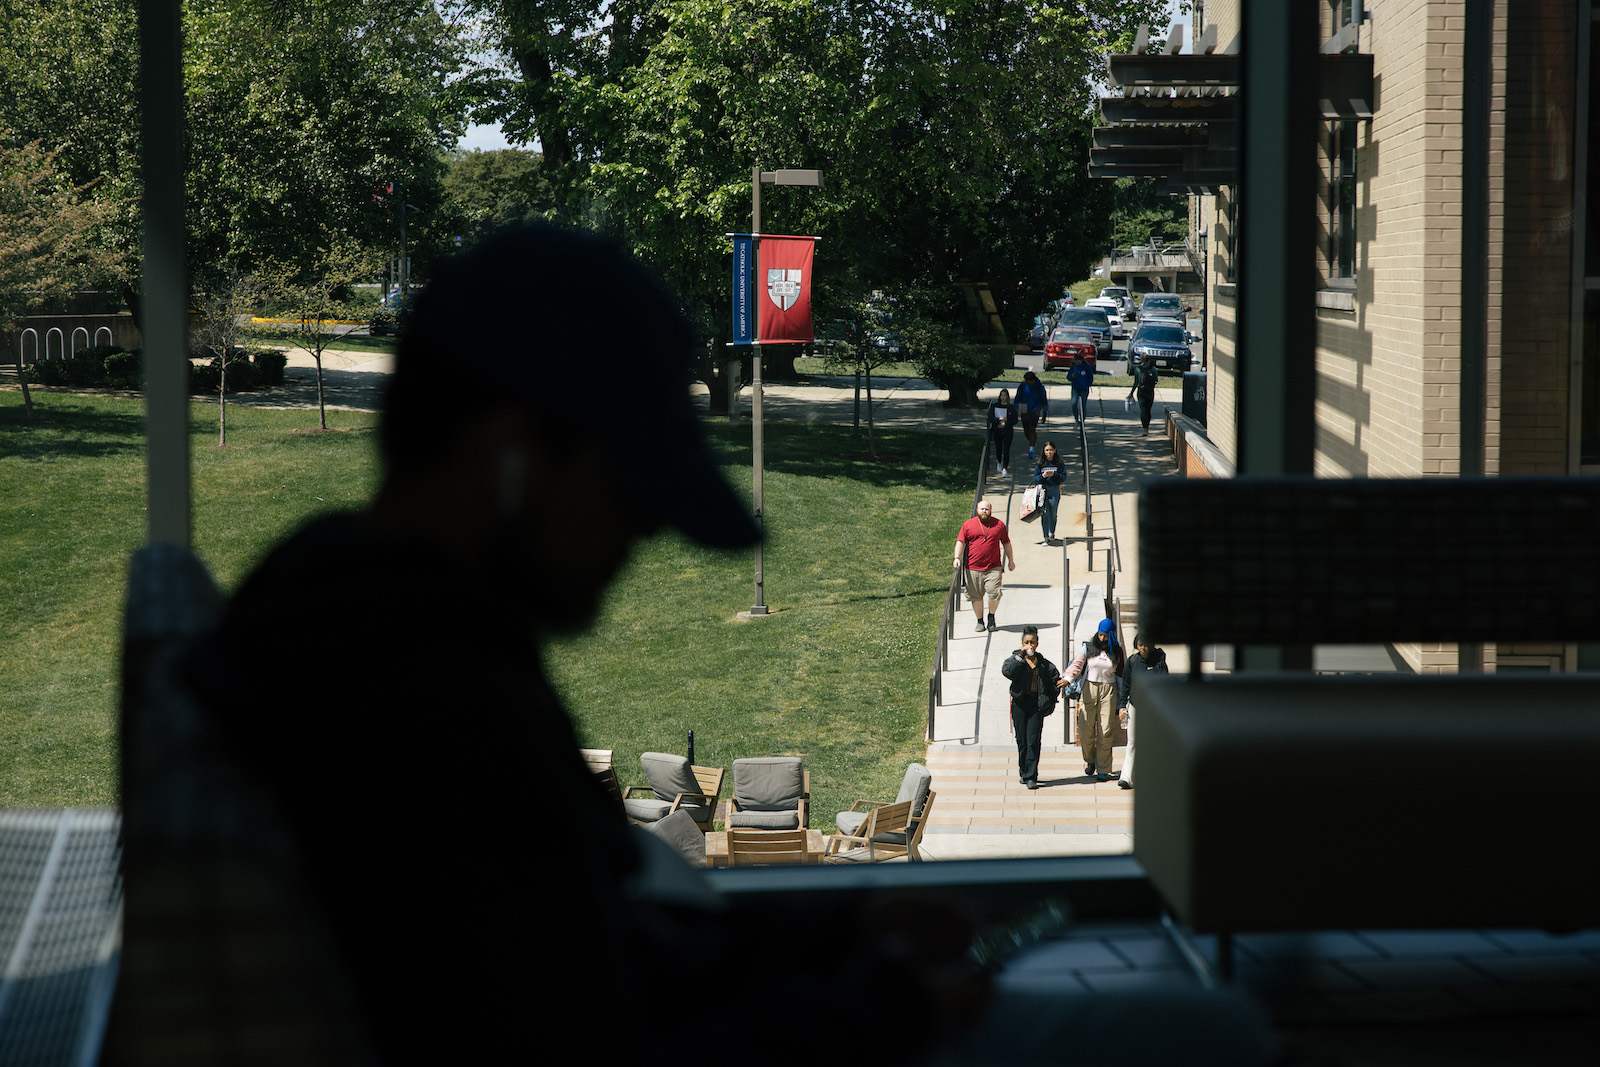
(914, 787)
(765, 820)
(670, 775)
(850, 821)
(645, 809)
(768, 783)
(679, 831)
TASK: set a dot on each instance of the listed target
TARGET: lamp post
(757, 177)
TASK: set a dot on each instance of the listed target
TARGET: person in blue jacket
(1081, 376)
(1048, 474)
(1033, 406)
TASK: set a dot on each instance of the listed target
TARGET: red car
(1067, 342)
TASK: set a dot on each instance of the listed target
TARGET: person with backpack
(1033, 406)
(1144, 662)
(1035, 686)
(1100, 664)
(1144, 387)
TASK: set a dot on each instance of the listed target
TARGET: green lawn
(72, 511)
(856, 567)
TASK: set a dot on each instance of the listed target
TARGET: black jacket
(1138, 667)
(1016, 669)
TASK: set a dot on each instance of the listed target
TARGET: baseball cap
(574, 328)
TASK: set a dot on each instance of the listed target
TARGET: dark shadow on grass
(63, 425)
(927, 460)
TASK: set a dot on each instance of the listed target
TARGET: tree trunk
(872, 442)
(222, 405)
(322, 411)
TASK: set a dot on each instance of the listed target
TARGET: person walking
(1080, 376)
(1035, 686)
(1048, 474)
(985, 541)
(1145, 661)
(1100, 663)
(1144, 387)
(1002, 421)
(1033, 406)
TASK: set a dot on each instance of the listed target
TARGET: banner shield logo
(783, 287)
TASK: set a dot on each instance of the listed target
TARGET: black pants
(1002, 445)
(1145, 403)
(1029, 726)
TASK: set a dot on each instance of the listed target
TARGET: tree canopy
(297, 114)
(953, 137)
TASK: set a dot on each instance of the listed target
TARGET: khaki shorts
(983, 585)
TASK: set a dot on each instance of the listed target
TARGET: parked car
(1167, 305)
(1165, 346)
(1039, 334)
(1068, 342)
(1094, 319)
(1113, 312)
(1123, 298)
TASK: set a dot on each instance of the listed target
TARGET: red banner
(783, 289)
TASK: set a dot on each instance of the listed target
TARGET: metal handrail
(941, 650)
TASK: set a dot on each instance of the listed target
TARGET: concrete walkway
(983, 811)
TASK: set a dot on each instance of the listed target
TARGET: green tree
(50, 235)
(1144, 216)
(69, 83)
(316, 296)
(484, 191)
(953, 136)
(299, 114)
(223, 300)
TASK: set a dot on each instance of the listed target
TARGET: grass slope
(72, 486)
(856, 565)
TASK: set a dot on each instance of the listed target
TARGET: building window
(1342, 197)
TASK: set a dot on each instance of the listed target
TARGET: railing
(947, 625)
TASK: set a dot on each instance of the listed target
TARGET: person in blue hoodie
(1080, 376)
(1033, 406)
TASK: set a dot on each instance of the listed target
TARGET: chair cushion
(765, 820)
(679, 831)
(670, 775)
(769, 783)
(645, 809)
(914, 787)
(849, 822)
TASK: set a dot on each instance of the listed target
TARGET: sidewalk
(983, 811)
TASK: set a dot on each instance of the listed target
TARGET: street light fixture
(770, 177)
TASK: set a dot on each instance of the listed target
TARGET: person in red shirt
(985, 541)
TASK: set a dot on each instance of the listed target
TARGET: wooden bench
(1288, 800)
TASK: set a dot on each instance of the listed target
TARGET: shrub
(950, 363)
(125, 370)
(269, 364)
(204, 377)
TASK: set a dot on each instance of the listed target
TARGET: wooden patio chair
(770, 793)
(675, 785)
(887, 832)
(599, 761)
(759, 848)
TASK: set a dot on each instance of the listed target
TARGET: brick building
(1454, 331)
